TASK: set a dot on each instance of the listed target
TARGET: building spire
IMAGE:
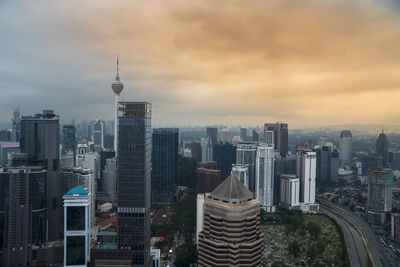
(117, 77)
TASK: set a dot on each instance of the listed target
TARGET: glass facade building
(134, 179)
(68, 138)
(225, 156)
(164, 173)
(40, 139)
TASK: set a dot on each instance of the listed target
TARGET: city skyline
(328, 64)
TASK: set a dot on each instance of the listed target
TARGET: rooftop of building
(77, 191)
(47, 114)
(231, 190)
(289, 176)
(345, 133)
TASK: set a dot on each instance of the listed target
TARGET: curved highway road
(351, 244)
(380, 256)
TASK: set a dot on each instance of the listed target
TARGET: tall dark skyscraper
(134, 179)
(382, 148)
(40, 139)
(225, 156)
(68, 138)
(213, 134)
(164, 173)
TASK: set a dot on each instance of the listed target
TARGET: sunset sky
(205, 62)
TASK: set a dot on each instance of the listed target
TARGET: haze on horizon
(205, 62)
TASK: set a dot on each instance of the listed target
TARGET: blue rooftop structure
(78, 190)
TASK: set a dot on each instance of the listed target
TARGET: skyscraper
(40, 139)
(286, 165)
(230, 204)
(306, 171)
(196, 151)
(256, 136)
(323, 162)
(345, 149)
(289, 191)
(225, 136)
(206, 149)
(225, 156)
(281, 136)
(265, 176)
(213, 134)
(134, 179)
(68, 138)
(243, 134)
(246, 154)
(77, 207)
(164, 160)
(16, 124)
(382, 148)
(26, 214)
(380, 181)
(98, 135)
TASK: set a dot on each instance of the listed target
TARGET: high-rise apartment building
(246, 154)
(164, 172)
(380, 183)
(68, 138)
(98, 135)
(134, 179)
(289, 191)
(213, 134)
(346, 147)
(40, 139)
(306, 171)
(382, 148)
(286, 165)
(230, 233)
(265, 176)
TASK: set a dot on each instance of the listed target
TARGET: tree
(186, 254)
(314, 230)
(294, 248)
(187, 172)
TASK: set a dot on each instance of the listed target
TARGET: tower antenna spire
(117, 78)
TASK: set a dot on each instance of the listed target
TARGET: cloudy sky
(308, 62)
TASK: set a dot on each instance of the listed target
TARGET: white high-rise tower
(117, 87)
(265, 176)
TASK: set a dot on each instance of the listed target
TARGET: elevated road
(378, 254)
(355, 248)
